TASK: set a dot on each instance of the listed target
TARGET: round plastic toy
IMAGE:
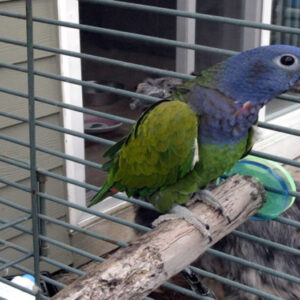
(276, 180)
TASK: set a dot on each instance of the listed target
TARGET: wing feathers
(162, 148)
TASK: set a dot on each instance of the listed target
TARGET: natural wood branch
(133, 272)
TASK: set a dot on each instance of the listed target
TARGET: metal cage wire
(37, 213)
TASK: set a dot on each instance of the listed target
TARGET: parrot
(183, 142)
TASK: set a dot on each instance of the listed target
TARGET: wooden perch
(133, 272)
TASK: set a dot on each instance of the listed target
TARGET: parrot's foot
(208, 198)
(195, 283)
(181, 212)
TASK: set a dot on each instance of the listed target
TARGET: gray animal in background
(156, 87)
(264, 255)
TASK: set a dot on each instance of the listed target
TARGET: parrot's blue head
(256, 76)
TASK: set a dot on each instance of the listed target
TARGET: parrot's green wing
(158, 152)
(160, 149)
(113, 151)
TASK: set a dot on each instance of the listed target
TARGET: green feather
(204, 172)
(207, 78)
(105, 189)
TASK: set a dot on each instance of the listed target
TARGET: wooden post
(133, 272)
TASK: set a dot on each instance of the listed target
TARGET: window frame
(69, 39)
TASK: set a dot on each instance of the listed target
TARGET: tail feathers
(106, 190)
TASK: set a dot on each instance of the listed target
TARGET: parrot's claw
(181, 212)
(195, 283)
(208, 198)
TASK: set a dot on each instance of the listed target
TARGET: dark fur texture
(263, 255)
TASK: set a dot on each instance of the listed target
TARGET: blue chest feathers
(221, 119)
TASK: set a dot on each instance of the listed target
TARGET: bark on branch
(133, 272)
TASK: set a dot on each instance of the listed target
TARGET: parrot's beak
(296, 87)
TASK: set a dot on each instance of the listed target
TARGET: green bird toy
(180, 144)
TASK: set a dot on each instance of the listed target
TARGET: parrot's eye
(287, 60)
